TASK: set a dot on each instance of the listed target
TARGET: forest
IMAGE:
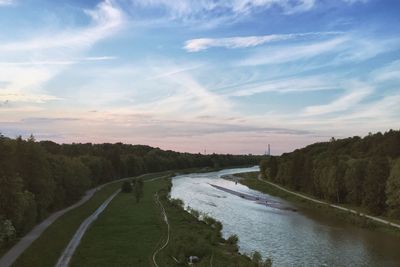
(38, 178)
(363, 172)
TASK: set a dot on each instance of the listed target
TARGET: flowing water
(303, 238)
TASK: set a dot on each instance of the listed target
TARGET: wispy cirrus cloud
(287, 85)
(355, 94)
(196, 45)
(204, 10)
(345, 48)
(57, 62)
(6, 2)
(27, 65)
(106, 19)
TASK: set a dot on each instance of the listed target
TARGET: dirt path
(376, 219)
(68, 252)
(166, 221)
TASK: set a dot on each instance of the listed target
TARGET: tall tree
(374, 186)
(393, 190)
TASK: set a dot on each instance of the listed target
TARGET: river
(303, 238)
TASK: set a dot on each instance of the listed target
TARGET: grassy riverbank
(250, 180)
(128, 233)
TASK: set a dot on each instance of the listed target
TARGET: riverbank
(358, 218)
(128, 234)
(349, 214)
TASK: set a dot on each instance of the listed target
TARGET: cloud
(204, 10)
(290, 53)
(27, 65)
(57, 62)
(388, 72)
(290, 84)
(106, 19)
(196, 45)
(24, 97)
(352, 97)
(345, 48)
(6, 2)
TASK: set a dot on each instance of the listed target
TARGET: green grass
(128, 233)
(251, 181)
(125, 234)
(46, 250)
(190, 236)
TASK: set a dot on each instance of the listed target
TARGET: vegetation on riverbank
(128, 233)
(251, 181)
(361, 172)
(38, 178)
(191, 236)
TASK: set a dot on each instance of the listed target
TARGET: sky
(199, 75)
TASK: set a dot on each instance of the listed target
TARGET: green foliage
(233, 240)
(126, 187)
(194, 212)
(393, 190)
(177, 202)
(256, 257)
(7, 232)
(374, 185)
(352, 170)
(138, 189)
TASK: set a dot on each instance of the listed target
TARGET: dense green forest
(37, 178)
(363, 172)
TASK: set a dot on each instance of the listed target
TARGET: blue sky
(189, 75)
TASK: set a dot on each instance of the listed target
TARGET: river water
(303, 238)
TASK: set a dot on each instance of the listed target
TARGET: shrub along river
(302, 238)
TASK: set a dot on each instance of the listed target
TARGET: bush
(232, 240)
(126, 187)
(177, 202)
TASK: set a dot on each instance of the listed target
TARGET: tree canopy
(359, 171)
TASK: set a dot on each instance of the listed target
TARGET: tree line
(363, 172)
(38, 178)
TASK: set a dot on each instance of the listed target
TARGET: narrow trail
(68, 252)
(373, 218)
(168, 229)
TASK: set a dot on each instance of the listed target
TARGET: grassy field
(251, 181)
(128, 233)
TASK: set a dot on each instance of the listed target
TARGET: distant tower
(269, 150)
